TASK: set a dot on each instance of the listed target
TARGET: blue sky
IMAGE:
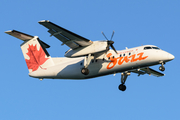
(135, 23)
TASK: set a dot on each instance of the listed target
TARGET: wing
(149, 71)
(67, 37)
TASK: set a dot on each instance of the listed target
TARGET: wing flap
(67, 37)
(64, 40)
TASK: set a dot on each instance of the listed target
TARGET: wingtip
(9, 31)
(42, 21)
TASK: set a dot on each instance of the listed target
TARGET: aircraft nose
(170, 56)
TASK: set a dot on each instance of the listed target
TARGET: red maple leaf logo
(37, 58)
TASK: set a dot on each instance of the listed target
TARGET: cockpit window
(156, 48)
(146, 48)
(149, 47)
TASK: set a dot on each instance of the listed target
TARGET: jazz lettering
(126, 59)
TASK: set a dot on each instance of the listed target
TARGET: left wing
(149, 71)
(67, 37)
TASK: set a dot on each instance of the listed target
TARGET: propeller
(110, 42)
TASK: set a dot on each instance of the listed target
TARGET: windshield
(156, 48)
(146, 48)
(149, 47)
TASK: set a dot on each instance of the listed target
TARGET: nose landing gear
(124, 76)
(162, 68)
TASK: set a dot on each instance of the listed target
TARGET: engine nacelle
(96, 47)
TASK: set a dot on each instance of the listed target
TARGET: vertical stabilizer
(34, 51)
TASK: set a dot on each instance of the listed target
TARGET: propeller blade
(104, 35)
(112, 35)
(110, 42)
(113, 48)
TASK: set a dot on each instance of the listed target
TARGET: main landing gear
(87, 61)
(124, 76)
(85, 71)
(162, 68)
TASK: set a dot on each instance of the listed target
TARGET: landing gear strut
(87, 61)
(124, 76)
(162, 68)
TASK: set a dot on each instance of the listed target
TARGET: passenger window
(124, 55)
(146, 48)
(129, 53)
(120, 55)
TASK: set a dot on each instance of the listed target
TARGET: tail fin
(34, 51)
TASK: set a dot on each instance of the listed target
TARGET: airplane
(87, 59)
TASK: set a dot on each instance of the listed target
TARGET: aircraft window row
(121, 55)
(146, 48)
(92, 61)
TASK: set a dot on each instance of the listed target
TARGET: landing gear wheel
(85, 71)
(161, 68)
(122, 87)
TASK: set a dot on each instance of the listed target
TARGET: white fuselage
(104, 64)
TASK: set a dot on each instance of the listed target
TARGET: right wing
(67, 37)
(149, 71)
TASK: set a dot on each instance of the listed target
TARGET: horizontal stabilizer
(25, 37)
(19, 35)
